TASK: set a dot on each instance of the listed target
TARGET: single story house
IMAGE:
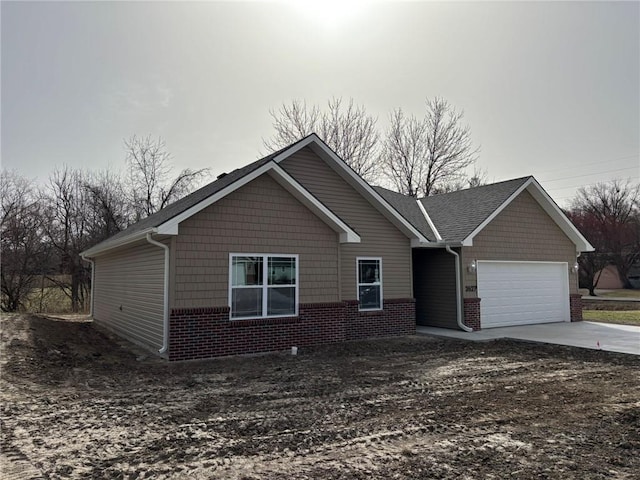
(296, 249)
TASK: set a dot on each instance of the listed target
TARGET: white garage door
(522, 293)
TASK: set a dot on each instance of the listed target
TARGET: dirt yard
(77, 404)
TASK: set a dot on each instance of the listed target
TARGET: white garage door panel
(522, 293)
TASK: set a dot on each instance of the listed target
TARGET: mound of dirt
(79, 403)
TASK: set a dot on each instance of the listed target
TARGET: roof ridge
(522, 179)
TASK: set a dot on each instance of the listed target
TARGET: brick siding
(575, 306)
(208, 332)
(472, 313)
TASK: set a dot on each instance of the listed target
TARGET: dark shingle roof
(457, 214)
(407, 207)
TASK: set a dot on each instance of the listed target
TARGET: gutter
(108, 245)
(458, 291)
(165, 312)
(93, 278)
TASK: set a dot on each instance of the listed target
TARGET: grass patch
(49, 299)
(628, 317)
(622, 293)
(619, 293)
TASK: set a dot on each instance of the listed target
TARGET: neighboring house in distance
(609, 278)
(296, 249)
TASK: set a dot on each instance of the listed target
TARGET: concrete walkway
(612, 299)
(594, 335)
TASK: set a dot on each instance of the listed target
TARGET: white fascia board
(170, 227)
(432, 226)
(416, 242)
(356, 181)
(548, 205)
(103, 248)
(347, 234)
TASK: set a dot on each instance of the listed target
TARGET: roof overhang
(105, 247)
(548, 205)
(355, 181)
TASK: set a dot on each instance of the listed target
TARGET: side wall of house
(128, 296)
(380, 238)
(434, 283)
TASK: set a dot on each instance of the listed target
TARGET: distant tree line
(43, 229)
(608, 215)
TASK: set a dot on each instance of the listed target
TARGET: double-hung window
(263, 285)
(369, 274)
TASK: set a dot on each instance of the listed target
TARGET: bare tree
(68, 220)
(476, 179)
(404, 153)
(151, 187)
(22, 248)
(608, 214)
(108, 207)
(345, 127)
(590, 263)
(421, 155)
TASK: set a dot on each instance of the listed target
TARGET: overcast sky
(548, 89)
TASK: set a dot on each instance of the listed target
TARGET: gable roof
(379, 202)
(167, 220)
(460, 216)
(457, 217)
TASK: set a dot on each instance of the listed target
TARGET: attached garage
(523, 293)
(499, 255)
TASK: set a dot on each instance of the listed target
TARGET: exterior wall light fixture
(471, 268)
(575, 268)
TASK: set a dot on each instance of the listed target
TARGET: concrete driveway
(594, 335)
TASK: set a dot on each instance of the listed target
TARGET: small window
(263, 286)
(369, 283)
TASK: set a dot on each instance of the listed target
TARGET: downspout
(93, 278)
(458, 291)
(165, 313)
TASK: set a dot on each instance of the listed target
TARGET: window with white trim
(263, 285)
(369, 275)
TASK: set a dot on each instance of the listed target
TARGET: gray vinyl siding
(434, 284)
(128, 297)
(260, 217)
(521, 232)
(379, 237)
